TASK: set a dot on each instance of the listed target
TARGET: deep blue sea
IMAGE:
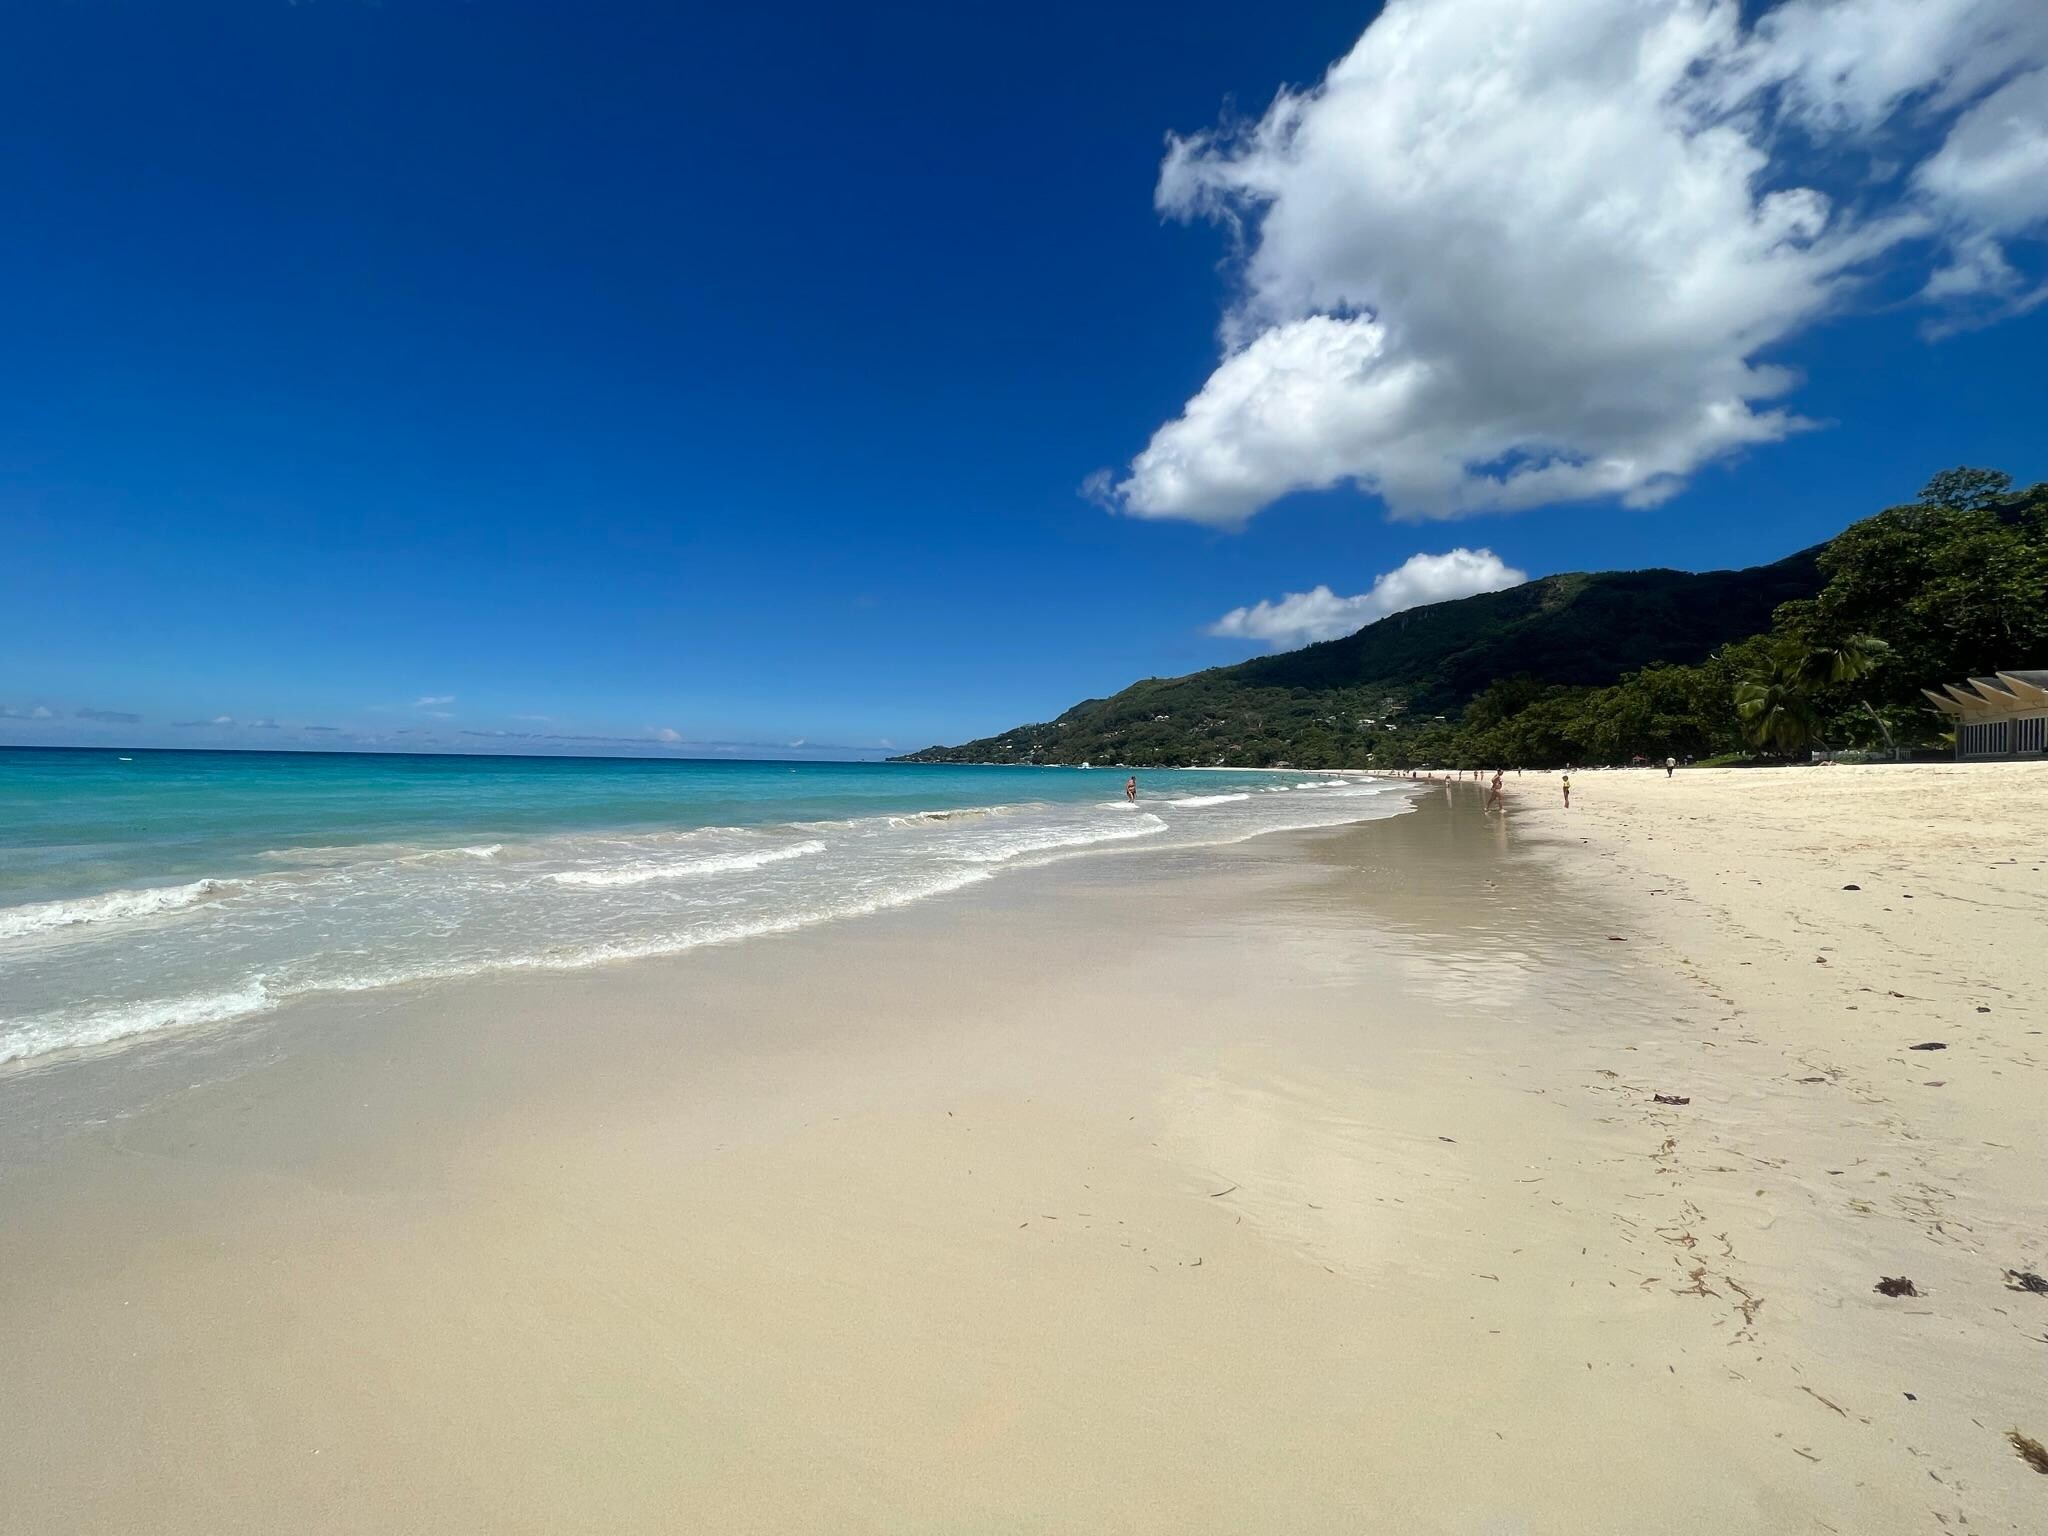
(153, 890)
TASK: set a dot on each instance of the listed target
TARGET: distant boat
(1087, 765)
(127, 759)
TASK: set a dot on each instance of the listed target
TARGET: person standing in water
(1567, 791)
(1131, 789)
(1493, 797)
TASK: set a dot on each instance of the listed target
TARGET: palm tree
(1845, 661)
(1774, 706)
(1841, 661)
(1775, 702)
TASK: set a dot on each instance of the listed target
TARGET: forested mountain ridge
(1574, 629)
(1827, 648)
(1578, 628)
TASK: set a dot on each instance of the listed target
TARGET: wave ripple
(109, 907)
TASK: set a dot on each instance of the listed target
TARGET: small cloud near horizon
(429, 700)
(108, 716)
(1301, 618)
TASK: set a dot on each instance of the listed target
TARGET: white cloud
(1992, 177)
(1993, 170)
(668, 735)
(1302, 617)
(428, 701)
(223, 720)
(1847, 65)
(1509, 253)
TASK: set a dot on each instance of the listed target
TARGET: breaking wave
(85, 1029)
(109, 907)
(1053, 839)
(643, 872)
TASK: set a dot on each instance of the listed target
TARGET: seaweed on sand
(2031, 1451)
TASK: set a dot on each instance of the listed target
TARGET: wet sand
(1313, 1184)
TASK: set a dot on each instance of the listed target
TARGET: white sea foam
(731, 932)
(78, 1031)
(645, 871)
(108, 907)
(1017, 845)
(963, 813)
(1209, 799)
(316, 855)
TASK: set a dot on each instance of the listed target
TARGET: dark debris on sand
(2031, 1451)
(1896, 1285)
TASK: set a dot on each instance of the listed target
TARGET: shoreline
(1311, 1183)
(242, 931)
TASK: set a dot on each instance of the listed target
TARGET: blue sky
(710, 379)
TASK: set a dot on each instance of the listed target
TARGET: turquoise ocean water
(149, 891)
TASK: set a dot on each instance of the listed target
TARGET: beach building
(2004, 715)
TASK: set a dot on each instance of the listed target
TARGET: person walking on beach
(1567, 791)
(1670, 764)
(1131, 789)
(1493, 797)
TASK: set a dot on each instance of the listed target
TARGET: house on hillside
(2005, 715)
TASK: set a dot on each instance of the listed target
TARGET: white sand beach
(1312, 1184)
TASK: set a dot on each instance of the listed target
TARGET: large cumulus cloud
(1512, 252)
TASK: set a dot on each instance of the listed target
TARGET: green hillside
(1328, 704)
(1828, 648)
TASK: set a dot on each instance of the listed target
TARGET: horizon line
(587, 757)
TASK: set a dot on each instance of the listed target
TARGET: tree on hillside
(1955, 585)
(1963, 489)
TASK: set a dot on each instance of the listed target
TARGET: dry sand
(1310, 1185)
